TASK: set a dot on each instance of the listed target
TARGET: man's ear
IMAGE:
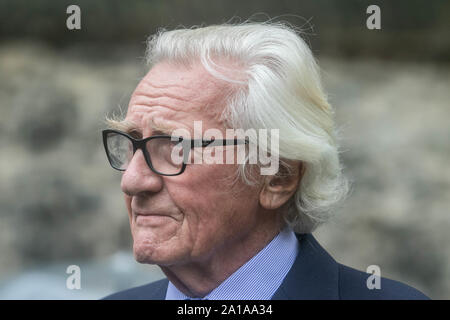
(278, 189)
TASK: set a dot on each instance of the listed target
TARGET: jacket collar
(158, 290)
(314, 274)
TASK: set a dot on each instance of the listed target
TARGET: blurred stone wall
(410, 30)
(58, 197)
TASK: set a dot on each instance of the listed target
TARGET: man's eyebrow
(131, 127)
(161, 129)
(122, 125)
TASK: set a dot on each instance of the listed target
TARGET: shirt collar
(259, 278)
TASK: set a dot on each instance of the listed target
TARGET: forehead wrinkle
(150, 83)
(171, 101)
(150, 89)
(142, 92)
(201, 90)
(162, 92)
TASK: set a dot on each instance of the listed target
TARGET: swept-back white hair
(281, 89)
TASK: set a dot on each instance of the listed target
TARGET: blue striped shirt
(259, 278)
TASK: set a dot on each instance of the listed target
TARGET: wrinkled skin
(198, 226)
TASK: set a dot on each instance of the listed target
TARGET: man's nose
(139, 178)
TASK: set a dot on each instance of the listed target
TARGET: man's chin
(144, 258)
(148, 254)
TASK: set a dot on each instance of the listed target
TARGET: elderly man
(227, 230)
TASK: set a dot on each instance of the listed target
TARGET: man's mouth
(151, 219)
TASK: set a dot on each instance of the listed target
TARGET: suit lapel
(314, 274)
(158, 290)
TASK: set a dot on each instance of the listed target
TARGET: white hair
(281, 89)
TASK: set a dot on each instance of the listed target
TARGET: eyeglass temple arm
(217, 143)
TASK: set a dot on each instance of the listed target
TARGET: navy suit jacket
(314, 275)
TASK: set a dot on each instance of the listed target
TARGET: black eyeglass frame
(141, 144)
